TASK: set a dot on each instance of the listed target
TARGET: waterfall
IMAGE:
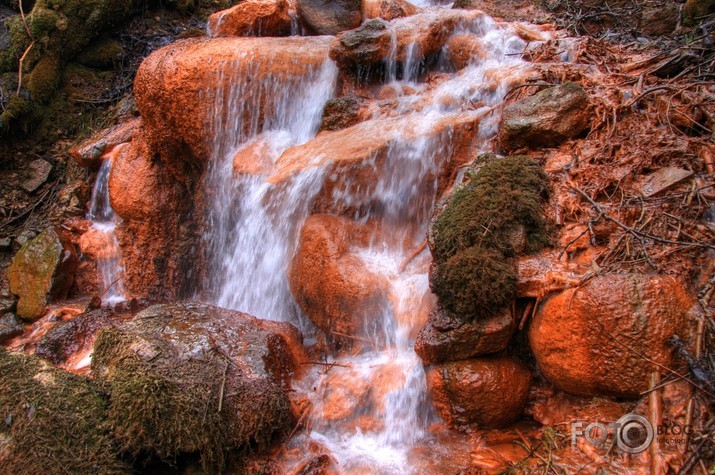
(104, 223)
(252, 227)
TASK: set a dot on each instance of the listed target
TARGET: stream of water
(253, 226)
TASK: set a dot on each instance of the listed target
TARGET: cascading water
(104, 223)
(253, 223)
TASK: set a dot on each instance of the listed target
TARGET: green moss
(53, 421)
(18, 41)
(505, 197)
(103, 54)
(15, 108)
(44, 79)
(475, 282)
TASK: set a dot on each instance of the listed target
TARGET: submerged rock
(188, 378)
(444, 339)
(545, 119)
(489, 392)
(54, 421)
(601, 338)
(330, 17)
(41, 270)
(332, 286)
(252, 18)
(388, 9)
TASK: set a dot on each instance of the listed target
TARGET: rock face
(252, 18)
(330, 17)
(545, 119)
(173, 80)
(446, 339)
(489, 392)
(592, 340)
(333, 287)
(418, 36)
(41, 270)
(195, 378)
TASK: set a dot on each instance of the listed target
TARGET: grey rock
(38, 172)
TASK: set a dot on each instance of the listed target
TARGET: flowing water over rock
(372, 407)
(108, 255)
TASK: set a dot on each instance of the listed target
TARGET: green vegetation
(474, 282)
(495, 216)
(54, 421)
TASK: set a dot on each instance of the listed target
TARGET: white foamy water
(253, 224)
(104, 221)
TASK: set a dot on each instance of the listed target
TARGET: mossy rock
(103, 54)
(15, 108)
(54, 421)
(39, 272)
(44, 79)
(695, 10)
(474, 283)
(192, 379)
(504, 199)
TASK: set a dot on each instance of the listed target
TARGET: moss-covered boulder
(41, 270)
(54, 421)
(193, 378)
(500, 209)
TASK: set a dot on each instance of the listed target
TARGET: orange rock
(344, 394)
(489, 392)
(332, 286)
(96, 244)
(89, 153)
(177, 85)
(252, 18)
(387, 9)
(134, 189)
(600, 338)
(464, 49)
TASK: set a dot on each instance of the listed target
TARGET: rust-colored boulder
(446, 339)
(330, 17)
(545, 119)
(417, 36)
(134, 189)
(42, 270)
(604, 337)
(89, 153)
(387, 9)
(176, 86)
(252, 18)
(490, 392)
(332, 286)
(464, 49)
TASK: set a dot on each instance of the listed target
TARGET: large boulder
(191, 378)
(445, 338)
(607, 336)
(545, 119)
(54, 421)
(252, 18)
(330, 17)
(489, 392)
(177, 86)
(415, 37)
(42, 270)
(332, 285)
